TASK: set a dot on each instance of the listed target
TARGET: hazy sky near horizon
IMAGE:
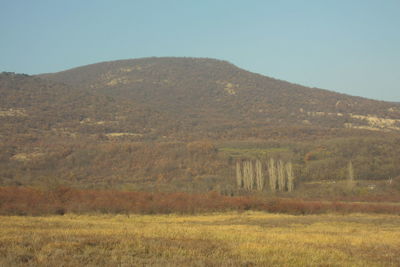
(348, 46)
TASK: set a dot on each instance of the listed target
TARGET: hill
(36, 106)
(181, 124)
(215, 97)
(32, 104)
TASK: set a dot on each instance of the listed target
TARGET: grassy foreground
(223, 239)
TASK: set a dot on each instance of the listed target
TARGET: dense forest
(193, 125)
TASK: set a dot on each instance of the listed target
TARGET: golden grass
(223, 239)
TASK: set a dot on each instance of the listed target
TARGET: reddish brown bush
(30, 201)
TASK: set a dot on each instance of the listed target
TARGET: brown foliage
(30, 201)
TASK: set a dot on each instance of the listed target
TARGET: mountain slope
(36, 106)
(41, 105)
(208, 94)
(174, 124)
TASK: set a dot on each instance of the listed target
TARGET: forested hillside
(184, 124)
(209, 96)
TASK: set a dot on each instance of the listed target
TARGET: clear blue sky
(349, 46)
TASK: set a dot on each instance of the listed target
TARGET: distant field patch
(252, 152)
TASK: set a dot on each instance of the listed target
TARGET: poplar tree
(239, 176)
(350, 177)
(259, 175)
(248, 175)
(281, 176)
(290, 176)
(272, 174)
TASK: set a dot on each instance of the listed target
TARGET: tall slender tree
(251, 175)
(272, 174)
(350, 177)
(290, 176)
(245, 175)
(281, 176)
(239, 176)
(259, 175)
(248, 175)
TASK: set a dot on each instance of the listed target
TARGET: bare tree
(281, 176)
(272, 174)
(248, 175)
(350, 177)
(245, 176)
(239, 176)
(259, 175)
(251, 172)
(290, 176)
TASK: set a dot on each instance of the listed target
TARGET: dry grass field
(219, 239)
